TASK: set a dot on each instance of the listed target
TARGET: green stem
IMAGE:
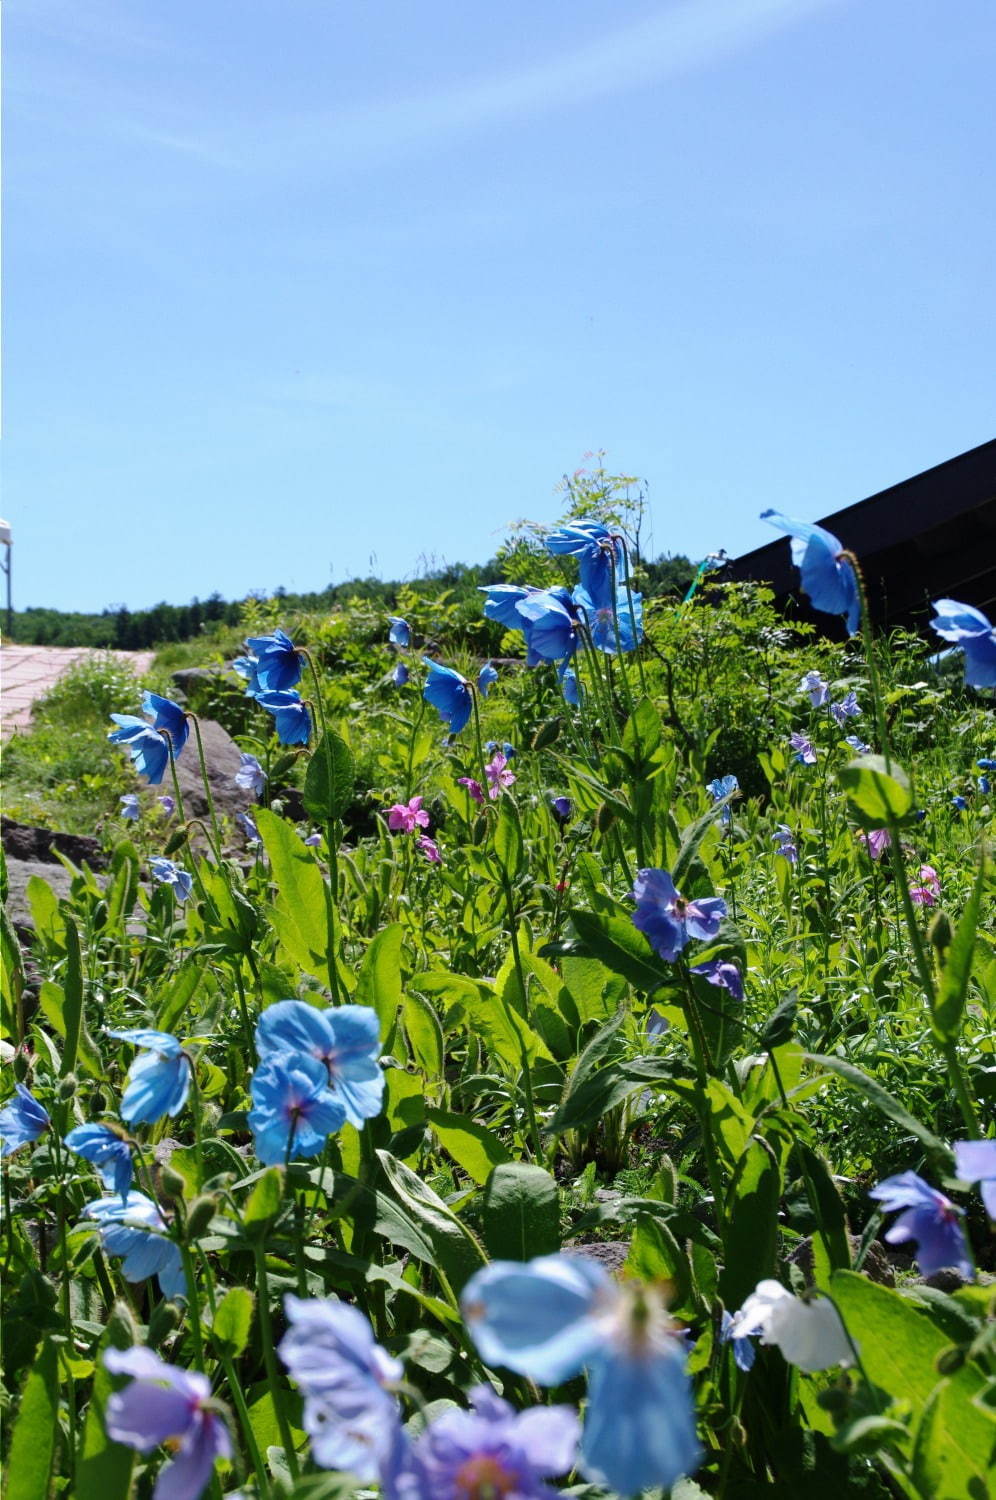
(215, 829)
(269, 1358)
(238, 1395)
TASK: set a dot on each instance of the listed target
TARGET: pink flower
(430, 849)
(928, 892)
(473, 787)
(498, 776)
(876, 842)
(402, 818)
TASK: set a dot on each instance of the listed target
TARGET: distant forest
(123, 629)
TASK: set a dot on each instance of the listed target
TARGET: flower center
(484, 1478)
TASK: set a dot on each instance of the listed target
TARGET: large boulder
(44, 845)
(222, 759)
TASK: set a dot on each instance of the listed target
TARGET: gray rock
(19, 872)
(26, 842)
(221, 756)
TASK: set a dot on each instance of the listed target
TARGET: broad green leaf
(178, 1000)
(457, 1253)
(831, 1247)
(504, 1032)
(300, 917)
(584, 1104)
(472, 1146)
(330, 778)
(122, 890)
(425, 1037)
(264, 1200)
(508, 838)
(378, 984)
(521, 1212)
(642, 736)
(594, 989)
(32, 1444)
(52, 1003)
(731, 1122)
(881, 1097)
(49, 922)
(104, 1469)
(954, 1450)
(233, 1320)
(619, 946)
(953, 988)
(876, 792)
(691, 838)
(655, 1256)
(898, 1344)
(750, 1231)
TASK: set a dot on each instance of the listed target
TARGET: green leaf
(179, 995)
(379, 981)
(750, 1233)
(883, 1100)
(642, 736)
(472, 1146)
(300, 917)
(52, 1003)
(105, 1467)
(655, 1255)
(732, 1123)
(620, 947)
(32, 1445)
(48, 921)
(233, 1320)
(898, 1344)
(456, 1251)
(425, 1036)
(691, 838)
(521, 1212)
(330, 778)
(828, 1208)
(954, 1450)
(508, 839)
(953, 988)
(876, 792)
(265, 1199)
(584, 1104)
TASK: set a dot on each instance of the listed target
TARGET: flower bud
(199, 1216)
(164, 1318)
(67, 1086)
(939, 933)
(604, 818)
(171, 1183)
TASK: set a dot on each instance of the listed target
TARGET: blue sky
(295, 291)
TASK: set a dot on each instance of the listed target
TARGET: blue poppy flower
(248, 825)
(667, 918)
(723, 974)
(602, 621)
(969, 629)
(975, 1161)
(744, 1352)
(180, 881)
(294, 1110)
(600, 555)
(400, 675)
(984, 785)
(550, 624)
(986, 764)
(803, 748)
(929, 1218)
(494, 1450)
(449, 694)
(278, 664)
(509, 751)
(816, 687)
(164, 1404)
(110, 1154)
(486, 678)
(293, 722)
(169, 717)
(550, 1317)
(787, 847)
(246, 667)
(22, 1120)
(562, 809)
(145, 745)
(250, 776)
(723, 786)
(400, 633)
(857, 744)
(158, 1079)
(960, 804)
(827, 577)
(135, 1233)
(130, 809)
(569, 685)
(500, 605)
(346, 1038)
(846, 709)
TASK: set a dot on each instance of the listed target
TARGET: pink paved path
(26, 672)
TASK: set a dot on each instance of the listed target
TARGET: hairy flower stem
(215, 829)
(269, 1358)
(331, 840)
(703, 1071)
(527, 1082)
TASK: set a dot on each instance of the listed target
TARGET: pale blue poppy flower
(667, 918)
(293, 722)
(400, 675)
(250, 776)
(22, 1120)
(744, 1352)
(723, 974)
(975, 1161)
(602, 621)
(502, 599)
(145, 745)
(846, 709)
(816, 687)
(549, 619)
(928, 1218)
(277, 663)
(345, 1038)
(785, 839)
(486, 678)
(294, 1110)
(449, 694)
(158, 1079)
(246, 667)
(135, 1233)
(969, 629)
(179, 880)
(827, 576)
(600, 556)
(804, 752)
(108, 1152)
(168, 717)
(130, 809)
(164, 1404)
(400, 633)
(723, 786)
(494, 1450)
(569, 685)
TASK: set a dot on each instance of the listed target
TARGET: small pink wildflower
(876, 842)
(473, 787)
(928, 892)
(405, 818)
(430, 849)
(498, 775)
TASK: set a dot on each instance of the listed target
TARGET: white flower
(809, 1333)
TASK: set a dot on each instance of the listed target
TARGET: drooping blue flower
(846, 709)
(562, 809)
(602, 621)
(975, 1161)
(145, 745)
(248, 825)
(723, 786)
(827, 576)
(495, 1450)
(168, 805)
(400, 633)
(808, 1331)
(549, 1317)
(818, 690)
(108, 1152)
(294, 1110)
(313, 840)
(168, 717)
(509, 751)
(723, 974)
(293, 722)
(246, 667)
(449, 694)
(986, 764)
(164, 1404)
(929, 1218)
(549, 620)
(667, 918)
(600, 556)
(179, 880)
(804, 752)
(250, 776)
(350, 1412)
(278, 664)
(744, 1352)
(486, 679)
(135, 1232)
(22, 1120)
(130, 809)
(960, 804)
(857, 744)
(787, 847)
(501, 601)
(984, 785)
(158, 1079)
(569, 685)
(969, 629)
(344, 1038)
(400, 675)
